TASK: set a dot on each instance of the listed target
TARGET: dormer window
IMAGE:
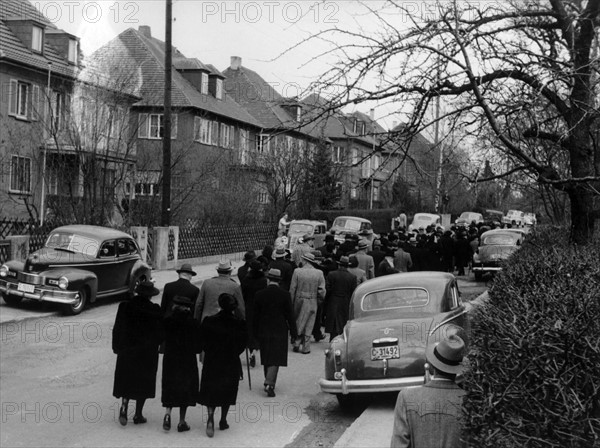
(204, 84)
(298, 113)
(72, 56)
(219, 91)
(37, 39)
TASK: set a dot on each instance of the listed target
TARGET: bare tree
(527, 72)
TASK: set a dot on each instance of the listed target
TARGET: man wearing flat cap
(181, 287)
(429, 415)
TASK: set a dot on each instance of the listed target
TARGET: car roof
(98, 233)
(423, 279)
(353, 217)
(500, 231)
(428, 215)
(306, 221)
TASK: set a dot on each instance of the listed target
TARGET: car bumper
(486, 268)
(42, 294)
(346, 386)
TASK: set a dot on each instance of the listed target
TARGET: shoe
(296, 349)
(319, 337)
(305, 352)
(139, 419)
(210, 427)
(252, 360)
(123, 415)
(223, 425)
(183, 427)
(167, 422)
(270, 391)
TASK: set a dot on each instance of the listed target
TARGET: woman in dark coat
(180, 367)
(273, 324)
(137, 333)
(254, 281)
(223, 338)
(340, 286)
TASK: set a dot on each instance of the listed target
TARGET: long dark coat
(253, 282)
(273, 323)
(287, 269)
(223, 337)
(180, 380)
(180, 287)
(137, 333)
(340, 286)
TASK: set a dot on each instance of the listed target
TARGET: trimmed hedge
(380, 218)
(534, 375)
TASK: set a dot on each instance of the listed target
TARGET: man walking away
(340, 286)
(208, 299)
(181, 287)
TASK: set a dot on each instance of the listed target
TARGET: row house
(65, 141)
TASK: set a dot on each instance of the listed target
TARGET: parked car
(495, 246)
(77, 265)
(422, 220)
(530, 219)
(392, 319)
(343, 225)
(466, 218)
(300, 227)
(493, 217)
(514, 218)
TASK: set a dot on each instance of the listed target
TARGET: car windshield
(409, 299)
(424, 218)
(301, 228)
(72, 242)
(501, 239)
(348, 224)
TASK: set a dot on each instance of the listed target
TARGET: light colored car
(514, 218)
(392, 319)
(77, 265)
(300, 227)
(495, 246)
(353, 225)
(493, 217)
(530, 219)
(422, 220)
(466, 218)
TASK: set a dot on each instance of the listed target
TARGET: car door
(105, 267)
(127, 255)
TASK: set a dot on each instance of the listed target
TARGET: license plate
(388, 352)
(24, 287)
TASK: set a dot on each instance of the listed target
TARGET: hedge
(534, 369)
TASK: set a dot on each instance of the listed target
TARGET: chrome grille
(32, 279)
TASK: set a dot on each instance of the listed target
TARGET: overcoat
(340, 286)
(180, 368)
(253, 282)
(223, 337)
(208, 299)
(287, 269)
(307, 290)
(136, 335)
(273, 323)
(180, 287)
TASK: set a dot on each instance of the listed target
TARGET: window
(147, 183)
(375, 193)
(202, 130)
(19, 99)
(20, 175)
(152, 126)
(337, 154)
(226, 135)
(262, 143)
(376, 162)
(56, 109)
(366, 167)
(298, 113)
(219, 91)
(157, 129)
(363, 128)
(263, 198)
(73, 53)
(107, 250)
(353, 193)
(37, 39)
(204, 83)
(354, 156)
(244, 147)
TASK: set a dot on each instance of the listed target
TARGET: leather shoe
(210, 427)
(123, 415)
(139, 419)
(167, 422)
(270, 391)
(296, 349)
(252, 360)
(223, 425)
(183, 427)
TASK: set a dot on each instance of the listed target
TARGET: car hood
(412, 339)
(491, 253)
(46, 257)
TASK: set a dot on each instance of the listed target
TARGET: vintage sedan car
(422, 220)
(495, 246)
(466, 218)
(300, 227)
(77, 265)
(344, 225)
(392, 319)
(514, 218)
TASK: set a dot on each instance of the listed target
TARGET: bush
(534, 375)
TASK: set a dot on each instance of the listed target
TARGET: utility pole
(166, 165)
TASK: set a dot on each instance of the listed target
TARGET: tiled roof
(145, 55)
(13, 49)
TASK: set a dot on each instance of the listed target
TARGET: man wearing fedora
(307, 290)
(429, 415)
(181, 287)
(365, 261)
(284, 266)
(273, 324)
(208, 299)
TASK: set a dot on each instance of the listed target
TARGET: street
(56, 376)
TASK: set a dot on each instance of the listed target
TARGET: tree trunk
(582, 215)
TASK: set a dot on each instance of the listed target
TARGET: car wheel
(345, 401)
(78, 306)
(12, 300)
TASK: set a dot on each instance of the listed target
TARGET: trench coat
(307, 290)
(180, 369)
(340, 286)
(208, 298)
(223, 337)
(273, 323)
(137, 333)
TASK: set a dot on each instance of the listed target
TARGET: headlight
(4, 270)
(63, 283)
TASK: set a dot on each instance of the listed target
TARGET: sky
(267, 35)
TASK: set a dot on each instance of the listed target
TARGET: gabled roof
(133, 51)
(13, 49)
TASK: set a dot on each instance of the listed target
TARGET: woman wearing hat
(224, 338)
(180, 368)
(137, 333)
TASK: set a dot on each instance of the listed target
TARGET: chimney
(372, 114)
(145, 30)
(236, 63)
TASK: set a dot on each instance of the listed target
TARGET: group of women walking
(141, 328)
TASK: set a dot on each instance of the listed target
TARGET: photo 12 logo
(90, 12)
(271, 12)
